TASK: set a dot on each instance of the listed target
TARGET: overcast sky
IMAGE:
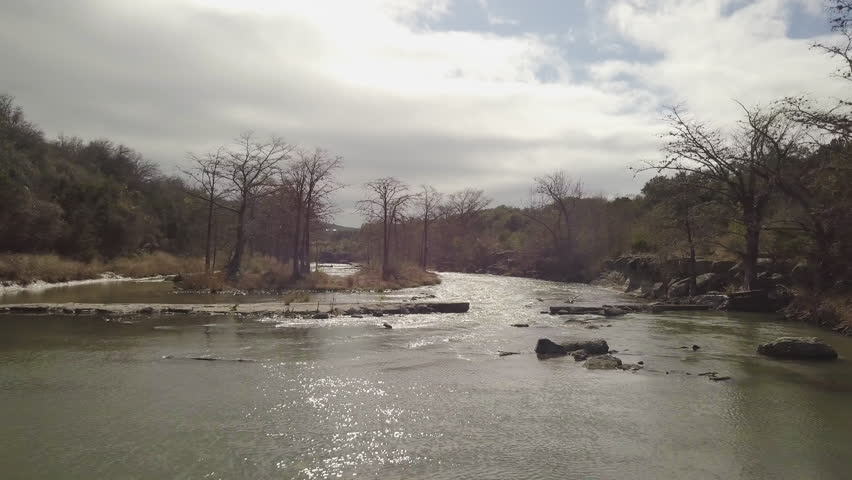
(453, 93)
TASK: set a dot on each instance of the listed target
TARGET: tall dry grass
(28, 268)
(267, 273)
(153, 264)
(407, 275)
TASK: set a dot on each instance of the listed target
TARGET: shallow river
(94, 397)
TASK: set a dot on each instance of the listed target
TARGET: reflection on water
(91, 397)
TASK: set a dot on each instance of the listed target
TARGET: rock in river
(603, 362)
(547, 347)
(592, 347)
(800, 348)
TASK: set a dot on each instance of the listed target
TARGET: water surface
(94, 397)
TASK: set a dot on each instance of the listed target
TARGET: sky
(452, 93)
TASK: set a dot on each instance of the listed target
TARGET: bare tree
(311, 182)
(728, 166)
(250, 168)
(840, 19)
(556, 190)
(386, 201)
(466, 204)
(206, 175)
(428, 201)
(681, 208)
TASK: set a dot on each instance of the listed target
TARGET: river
(95, 397)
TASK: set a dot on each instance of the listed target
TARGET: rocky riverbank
(716, 285)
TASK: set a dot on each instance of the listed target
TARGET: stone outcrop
(603, 362)
(651, 277)
(265, 308)
(580, 349)
(799, 348)
(766, 301)
(591, 347)
(547, 347)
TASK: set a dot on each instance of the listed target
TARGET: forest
(775, 186)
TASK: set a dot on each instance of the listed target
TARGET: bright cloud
(388, 85)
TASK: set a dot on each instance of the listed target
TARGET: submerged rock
(387, 325)
(520, 325)
(603, 362)
(579, 355)
(800, 348)
(632, 367)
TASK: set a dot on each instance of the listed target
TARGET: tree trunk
(752, 250)
(209, 235)
(385, 250)
(425, 243)
(297, 238)
(691, 270)
(215, 248)
(822, 264)
(232, 270)
(306, 246)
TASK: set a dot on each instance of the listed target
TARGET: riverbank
(38, 271)
(23, 270)
(268, 275)
(782, 288)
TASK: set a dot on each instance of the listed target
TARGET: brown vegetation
(266, 273)
(28, 268)
(832, 311)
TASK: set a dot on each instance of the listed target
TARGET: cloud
(378, 82)
(709, 58)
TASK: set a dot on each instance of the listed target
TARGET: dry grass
(267, 273)
(153, 264)
(28, 268)
(406, 276)
(832, 310)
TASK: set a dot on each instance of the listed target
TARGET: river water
(94, 397)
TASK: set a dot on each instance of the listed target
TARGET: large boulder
(722, 266)
(767, 301)
(546, 347)
(800, 348)
(751, 301)
(708, 281)
(679, 288)
(592, 347)
(802, 274)
(716, 302)
(659, 290)
(765, 264)
(703, 266)
(603, 362)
